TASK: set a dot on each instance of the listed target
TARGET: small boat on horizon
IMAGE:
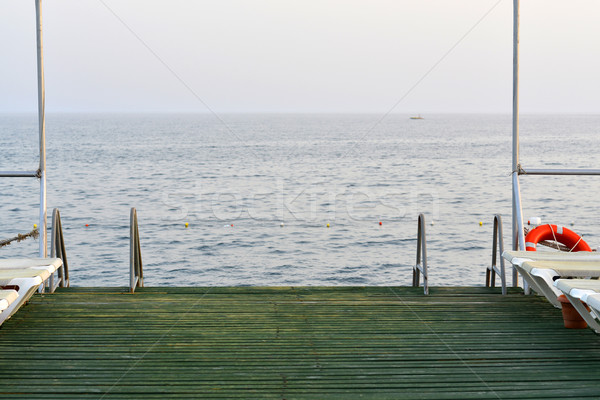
(417, 117)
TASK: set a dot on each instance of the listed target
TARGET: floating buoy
(281, 225)
(480, 223)
(328, 224)
(34, 226)
(380, 223)
(186, 224)
(232, 225)
(87, 225)
(432, 223)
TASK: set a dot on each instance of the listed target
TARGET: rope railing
(20, 237)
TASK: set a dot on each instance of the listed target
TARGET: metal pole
(520, 236)
(515, 126)
(547, 171)
(42, 128)
(132, 275)
(19, 174)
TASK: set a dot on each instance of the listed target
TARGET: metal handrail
(421, 264)
(558, 171)
(136, 274)
(19, 174)
(58, 250)
(493, 270)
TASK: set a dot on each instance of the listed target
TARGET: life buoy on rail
(558, 233)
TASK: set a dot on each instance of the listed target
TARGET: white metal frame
(517, 169)
(41, 172)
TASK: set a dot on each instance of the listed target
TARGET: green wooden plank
(294, 342)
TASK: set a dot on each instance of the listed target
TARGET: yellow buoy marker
(480, 223)
(34, 226)
(186, 224)
(328, 224)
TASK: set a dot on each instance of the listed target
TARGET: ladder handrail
(136, 274)
(421, 264)
(58, 250)
(493, 270)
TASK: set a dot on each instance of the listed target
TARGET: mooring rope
(558, 244)
(555, 240)
(20, 237)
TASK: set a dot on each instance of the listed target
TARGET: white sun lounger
(25, 275)
(580, 291)
(517, 257)
(17, 263)
(7, 297)
(540, 269)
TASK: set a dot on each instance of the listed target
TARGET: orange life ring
(558, 233)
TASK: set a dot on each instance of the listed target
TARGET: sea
(291, 199)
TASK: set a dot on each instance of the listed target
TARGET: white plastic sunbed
(25, 276)
(7, 297)
(540, 269)
(580, 291)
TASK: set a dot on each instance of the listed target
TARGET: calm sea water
(235, 181)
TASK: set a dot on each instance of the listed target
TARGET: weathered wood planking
(294, 342)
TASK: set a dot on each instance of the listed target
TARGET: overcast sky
(300, 56)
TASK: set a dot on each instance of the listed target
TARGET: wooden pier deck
(294, 343)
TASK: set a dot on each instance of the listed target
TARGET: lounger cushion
(17, 263)
(7, 297)
(580, 268)
(566, 285)
(550, 256)
(593, 300)
(582, 289)
(7, 275)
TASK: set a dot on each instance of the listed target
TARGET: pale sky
(300, 56)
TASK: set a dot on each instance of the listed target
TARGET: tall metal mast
(517, 213)
(42, 128)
